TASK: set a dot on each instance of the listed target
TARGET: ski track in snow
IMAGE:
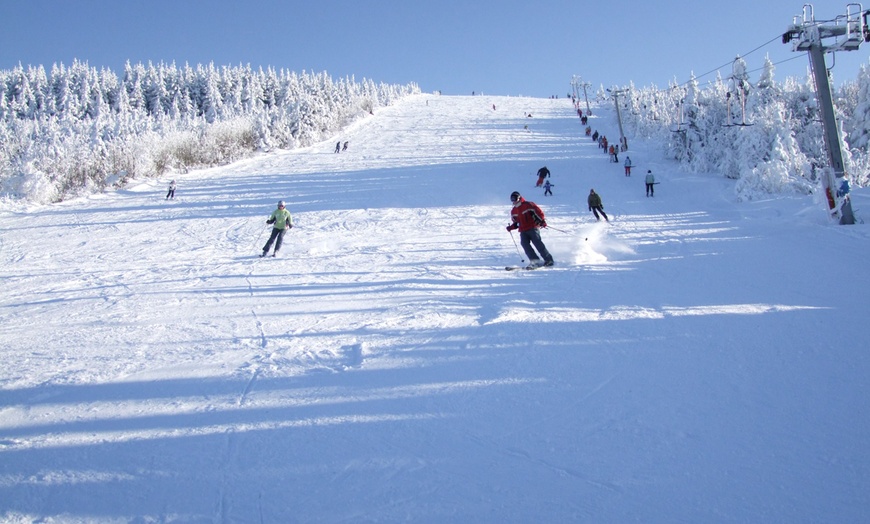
(688, 362)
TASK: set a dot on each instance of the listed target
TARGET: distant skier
(171, 193)
(528, 218)
(344, 148)
(281, 220)
(627, 165)
(547, 190)
(338, 147)
(650, 181)
(595, 205)
(542, 174)
(595, 136)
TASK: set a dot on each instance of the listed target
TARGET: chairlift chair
(743, 110)
(740, 89)
(728, 109)
(680, 122)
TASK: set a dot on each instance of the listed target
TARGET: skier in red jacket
(528, 218)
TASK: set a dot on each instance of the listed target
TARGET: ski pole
(559, 230)
(259, 237)
(522, 259)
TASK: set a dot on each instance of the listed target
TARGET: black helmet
(516, 196)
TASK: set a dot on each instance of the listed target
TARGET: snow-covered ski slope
(696, 360)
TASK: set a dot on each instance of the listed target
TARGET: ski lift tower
(576, 84)
(616, 93)
(848, 33)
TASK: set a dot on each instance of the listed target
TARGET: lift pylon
(848, 33)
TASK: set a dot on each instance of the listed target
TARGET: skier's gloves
(544, 223)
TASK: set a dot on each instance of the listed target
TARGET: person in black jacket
(595, 205)
(542, 174)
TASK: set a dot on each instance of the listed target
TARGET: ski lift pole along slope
(848, 33)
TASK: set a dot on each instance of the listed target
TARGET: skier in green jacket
(280, 218)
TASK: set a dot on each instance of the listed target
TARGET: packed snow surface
(694, 360)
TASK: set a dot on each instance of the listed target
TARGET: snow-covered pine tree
(79, 130)
(858, 124)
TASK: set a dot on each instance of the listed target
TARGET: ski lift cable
(774, 39)
(730, 62)
(777, 63)
(778, 37)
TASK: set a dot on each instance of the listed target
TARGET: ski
(527, 268)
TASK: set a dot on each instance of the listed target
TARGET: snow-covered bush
(771, 141)
(79, 130)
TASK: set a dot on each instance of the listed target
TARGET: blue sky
(457, 46)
